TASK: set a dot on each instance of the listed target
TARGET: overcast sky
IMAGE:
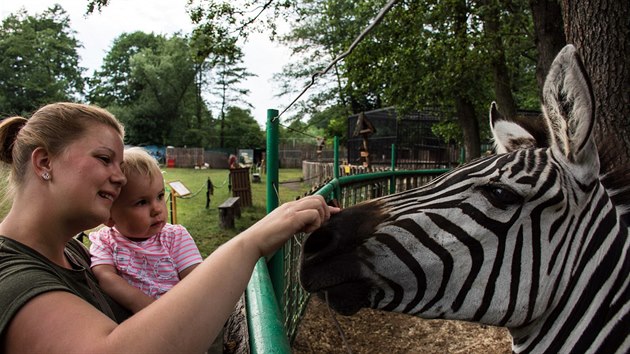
(97, 31)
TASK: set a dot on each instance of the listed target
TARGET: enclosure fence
(275, 300)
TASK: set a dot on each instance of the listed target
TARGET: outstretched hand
(303, 215)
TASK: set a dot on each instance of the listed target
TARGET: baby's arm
(118, 288)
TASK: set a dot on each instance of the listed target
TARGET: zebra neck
(593, 314)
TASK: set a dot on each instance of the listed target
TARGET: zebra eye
(501, 195)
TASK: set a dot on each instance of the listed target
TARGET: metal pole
(337, 192)
(392, 182)
(276, 263)
(272, 159)
(265, 320)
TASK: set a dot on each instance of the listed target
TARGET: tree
(548, 35)
(148, 81)
(241, 129)
(437, 54)
(39, 62)
(423, 54)
(168, 76)
(600, 30)
(229, 73)
(113, 84)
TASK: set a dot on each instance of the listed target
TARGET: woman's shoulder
(11, 249)
(25, 272)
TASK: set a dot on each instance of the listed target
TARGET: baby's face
(140, 210)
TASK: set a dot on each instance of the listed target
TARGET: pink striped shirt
(152, 265)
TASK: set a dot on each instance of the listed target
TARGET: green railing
(275, 300)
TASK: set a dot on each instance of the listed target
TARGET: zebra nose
(319, 243)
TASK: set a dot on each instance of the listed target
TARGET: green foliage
(228, 73)
(39, 62)
(156, 85)
(449, 131)
(423, 54)
(332, 121)
(167, 75)
(241, 129)
(113, 84)
(151, 82)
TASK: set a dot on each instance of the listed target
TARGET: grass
(202, 223)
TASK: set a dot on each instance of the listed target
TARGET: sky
(97, 32)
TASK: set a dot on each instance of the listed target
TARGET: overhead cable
(358, 40)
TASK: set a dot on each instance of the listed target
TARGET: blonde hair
(138, 160)
(52, 127)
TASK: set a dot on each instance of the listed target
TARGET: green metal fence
(275, 301)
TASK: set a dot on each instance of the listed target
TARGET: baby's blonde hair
(138, 160)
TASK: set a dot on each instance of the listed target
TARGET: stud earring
(46, 176)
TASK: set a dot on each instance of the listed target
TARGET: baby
(139, 256)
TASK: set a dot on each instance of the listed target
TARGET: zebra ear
(508, 134)
(569, 107)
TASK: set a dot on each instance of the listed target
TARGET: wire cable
(356, 42)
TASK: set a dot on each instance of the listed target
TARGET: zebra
(533, 238)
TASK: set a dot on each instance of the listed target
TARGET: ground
(371, 331)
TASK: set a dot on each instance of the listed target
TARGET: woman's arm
(185, 319)
(187, 271)
(119, 289)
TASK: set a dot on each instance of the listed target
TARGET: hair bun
(9, 129)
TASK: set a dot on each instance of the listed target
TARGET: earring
(46, 176)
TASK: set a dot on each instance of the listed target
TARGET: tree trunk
(501, 74)
(464, 107)
(548, 35)
(465, 111)
(600, 30)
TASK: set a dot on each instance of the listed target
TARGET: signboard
(179, 188)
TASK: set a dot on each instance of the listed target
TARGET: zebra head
(516, 239)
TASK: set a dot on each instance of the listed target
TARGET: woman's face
(86, 177)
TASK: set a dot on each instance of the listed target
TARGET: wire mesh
(295, 298)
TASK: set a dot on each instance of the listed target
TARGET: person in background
(65, 174)
(138, 256)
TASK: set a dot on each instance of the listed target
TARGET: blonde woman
(65, 175)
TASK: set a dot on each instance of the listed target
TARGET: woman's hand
(303, 215)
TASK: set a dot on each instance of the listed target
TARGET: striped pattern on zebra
(533, 238)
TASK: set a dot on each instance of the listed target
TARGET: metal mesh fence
(350, 192)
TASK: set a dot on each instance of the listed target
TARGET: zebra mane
(616, 179)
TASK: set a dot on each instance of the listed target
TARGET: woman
(65, 173)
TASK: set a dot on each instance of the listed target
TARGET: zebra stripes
(529, 239)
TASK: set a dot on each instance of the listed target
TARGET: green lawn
(202, 223)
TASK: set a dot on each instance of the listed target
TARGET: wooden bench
(228, 210)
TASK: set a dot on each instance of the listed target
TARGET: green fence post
(272, 159)
(337, 191)
(392, 182)
(265, 321)
(276, 263)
